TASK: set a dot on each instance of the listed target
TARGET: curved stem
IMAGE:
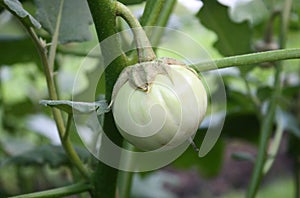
(57, 113)
(248, 59)
(59, 192)
(145, 51)
(41, 47)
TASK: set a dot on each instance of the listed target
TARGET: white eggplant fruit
(159, 104)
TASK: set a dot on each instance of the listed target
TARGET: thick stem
(145, 51)
(104, 16)
(248, 59)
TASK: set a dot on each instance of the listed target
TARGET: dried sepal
(141, 75)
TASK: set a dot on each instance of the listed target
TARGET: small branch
(57, 113)
(273, 148)
(157, 13)
(41, 48)
(54, 41)
(145, 51)
(248, 59)
(267, 124)
(58, 192)
(67, 131)
(152, 12)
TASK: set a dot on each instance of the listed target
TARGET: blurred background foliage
(31, 157)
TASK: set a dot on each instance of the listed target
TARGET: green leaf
(17, 9)
(233, 38)
(75, 20)
(254, 11)
(16, 50)
(78, 107)
(55, 156)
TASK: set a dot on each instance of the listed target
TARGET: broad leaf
(75, 19)
(55, 156)
(253, 11)
(16, 7)
(233, 38)
(78, 107)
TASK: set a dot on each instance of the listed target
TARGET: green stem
(266, 128)
(126, 182)
(54, 41)
(297, 177)
(59, 192)
(273, 148)
(104, 16)
(145, 51)
(159, 18)
(152, 12)
(248, 59)
(57, 113)
(68, 125)
(125, 177)
(41, 48)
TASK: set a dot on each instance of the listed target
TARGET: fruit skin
(164, 116)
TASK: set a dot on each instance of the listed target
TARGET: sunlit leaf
(253, 11)
(75, 20)
(233, 38)
(77, 107)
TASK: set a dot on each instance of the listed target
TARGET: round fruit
(161, 111)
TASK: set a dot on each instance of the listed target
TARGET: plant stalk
(104, 16)
(247, 59)
(41, 48)
(267, 124)
(144, 48)
(58, 192)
